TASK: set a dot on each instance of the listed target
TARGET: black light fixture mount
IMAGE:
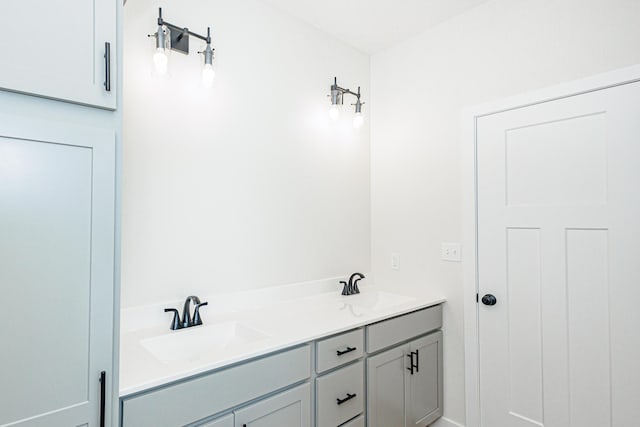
(337, 99)
(179, 36)
(174, 37)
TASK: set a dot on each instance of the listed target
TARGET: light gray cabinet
(57, 199)
(405, 384)
(291, 408)
(340, 395)
(204, 396)
(57, 49)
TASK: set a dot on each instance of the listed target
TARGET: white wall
(249, 184)
(499, 49)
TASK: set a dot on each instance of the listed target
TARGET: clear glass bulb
(334, 112)
(207, 75)
(160, 60)
(358, 120)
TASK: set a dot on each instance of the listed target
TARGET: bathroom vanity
(327, 360)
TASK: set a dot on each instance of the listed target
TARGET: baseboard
(445, 422)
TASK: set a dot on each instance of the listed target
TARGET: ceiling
(373, 25)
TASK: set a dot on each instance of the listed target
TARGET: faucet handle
(345, 288)
(175, 323)
(197, 320)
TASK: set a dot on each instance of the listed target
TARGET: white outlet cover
(451, 252)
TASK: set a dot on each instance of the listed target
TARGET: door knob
(489, 299)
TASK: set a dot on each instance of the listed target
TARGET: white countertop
(288, 316)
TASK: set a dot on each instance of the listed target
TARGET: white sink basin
(199, 341)
(374, 300)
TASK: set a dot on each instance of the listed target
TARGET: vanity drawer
(186, 402)
(402, 328)
(340, 395)
(339, 350)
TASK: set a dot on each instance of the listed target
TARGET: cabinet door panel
(56, 271)
(57, 50)
(387, 388)
(291, 408)
(425, 404)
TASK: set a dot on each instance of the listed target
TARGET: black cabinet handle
(349, 397)
(348, 350)
(103, 396)
(413, 366)
(107, 66)
(417, 361)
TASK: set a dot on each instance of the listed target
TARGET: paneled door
(559, 262)
(56, 274)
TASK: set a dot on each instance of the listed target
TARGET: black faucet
(187, 321)
(351, 288)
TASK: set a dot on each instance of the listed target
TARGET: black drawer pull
(349, 397)
(348, 350)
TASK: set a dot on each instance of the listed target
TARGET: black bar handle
(417, 361)
(349, 397)
(411, 365)
(103, 395)
(348, 350)
(107, 66)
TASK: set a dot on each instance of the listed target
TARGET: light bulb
(160, 60)
(207, 75)
(334, 112)
(358, 119)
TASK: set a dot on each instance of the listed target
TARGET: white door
(56, 273)
(559, 249)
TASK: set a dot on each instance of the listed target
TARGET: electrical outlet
(451, 252)
(395, 261)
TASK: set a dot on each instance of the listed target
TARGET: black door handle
(489, 299)
(107, 66)
(103, 389)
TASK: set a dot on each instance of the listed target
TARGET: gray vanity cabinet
(404, 369)
(425, 384)
(387, 388)
(291, 408)
(405, 384)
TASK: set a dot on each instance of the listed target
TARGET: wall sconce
(173, 37)
(337, 99)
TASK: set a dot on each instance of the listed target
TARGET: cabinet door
(425, 383)
(387, 388)
(56, 49)
(291, 408)
(56, 272)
